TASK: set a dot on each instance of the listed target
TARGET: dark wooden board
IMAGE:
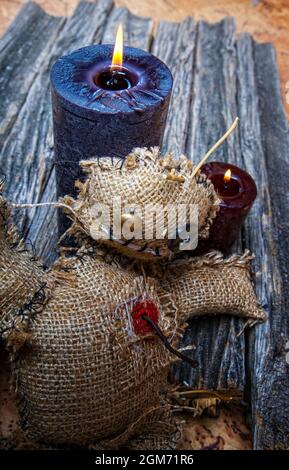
(203, 62)
(265, 147)
(22, 52)
(137, 30)
(216, 78)
(175, 44)
(270, 396)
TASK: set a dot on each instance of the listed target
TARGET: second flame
(227, 176)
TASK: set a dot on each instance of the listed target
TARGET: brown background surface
(266, 20)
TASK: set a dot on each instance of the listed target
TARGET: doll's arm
(212, 285)
(23, 282)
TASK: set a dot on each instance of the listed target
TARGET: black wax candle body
(99, 111)
(237, 195)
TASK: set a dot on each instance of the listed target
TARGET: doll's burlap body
(86, 376)
(83, 375)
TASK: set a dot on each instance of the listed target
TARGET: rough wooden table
(217, 76)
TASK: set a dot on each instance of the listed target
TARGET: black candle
(237, 191)
(100, 109)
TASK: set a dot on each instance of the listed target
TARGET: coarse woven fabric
(212, 284)
(143, 179)
(23, 280)
(87, 376)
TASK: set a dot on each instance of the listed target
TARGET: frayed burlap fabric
(87, 376)
(86, 370)
(142, 180)
(210, 285)
(24, 286)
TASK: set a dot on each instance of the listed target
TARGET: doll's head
(144, 206)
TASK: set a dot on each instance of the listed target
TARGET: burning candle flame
(227, 176)
(118, 48)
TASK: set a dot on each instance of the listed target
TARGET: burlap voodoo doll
(87, 335)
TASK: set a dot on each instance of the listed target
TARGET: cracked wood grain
(264, 144)
(23, 50)
(137, 30)
(175, 45)
(203, 107)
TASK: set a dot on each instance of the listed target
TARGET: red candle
(237, 191)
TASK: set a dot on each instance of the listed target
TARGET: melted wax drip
(128, 96)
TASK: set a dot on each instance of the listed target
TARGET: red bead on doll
(140, 308)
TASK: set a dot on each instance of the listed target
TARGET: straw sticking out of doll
(215, 146)
(42, 204)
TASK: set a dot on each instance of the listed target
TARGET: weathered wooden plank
(27, 15)
(22, 51)
(219, 344)
(217, 347)
(273, 406)
(27, 154)
(214, 91)
(265, 144)
(137, 30)
(174, 43)
(257, 230)
(219, 367)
